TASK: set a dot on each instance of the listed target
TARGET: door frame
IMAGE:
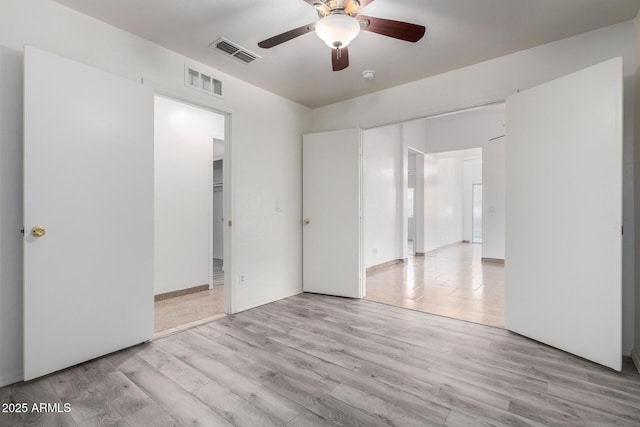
(227, 208)
(473, 200)
(418, 201)
(403, 227)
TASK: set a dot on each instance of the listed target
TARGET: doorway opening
(217, 214)
(189, 209)
(452, 272)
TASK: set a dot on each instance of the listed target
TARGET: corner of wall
(635, 356)
(4, 381)
(636, 178)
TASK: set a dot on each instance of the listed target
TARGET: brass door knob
(306, 221)
(38, 231)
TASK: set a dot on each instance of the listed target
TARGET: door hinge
(622, 230)
(230, 223)
(22, 231)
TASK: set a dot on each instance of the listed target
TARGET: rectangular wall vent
(235, 50)
(203, 82)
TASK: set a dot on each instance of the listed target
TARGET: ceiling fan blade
(364, 3)
(396, 29)
(339, 58)
(286, 36)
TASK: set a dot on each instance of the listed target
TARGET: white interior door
(564, 213)
(88, 179)
(332, 224)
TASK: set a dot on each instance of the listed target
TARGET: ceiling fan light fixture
(337, 30)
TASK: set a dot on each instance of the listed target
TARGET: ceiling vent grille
(234, 50)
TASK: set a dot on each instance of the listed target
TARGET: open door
(332, 217)
(88, 212)
(564, 213)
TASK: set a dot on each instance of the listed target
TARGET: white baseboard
(384, 264)
(282, 295)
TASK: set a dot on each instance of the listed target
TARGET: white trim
(210, 186)
(228, 212)
(362, 288)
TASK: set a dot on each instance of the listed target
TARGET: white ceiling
(459, 33)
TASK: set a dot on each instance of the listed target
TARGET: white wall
(383, 180)
(450, 201)
(183, 168)
(419, 243)
(493, 199)
(414, 137)
(264, 155)
(636, 233)
(10, 216)
(442, 184)
(472, 174)
(411, 221)
(494, 80)
(430, 203)
(481, 83)
(461, 131)
(469, 130)
(465, 131)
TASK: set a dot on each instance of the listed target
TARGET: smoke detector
(368, 75)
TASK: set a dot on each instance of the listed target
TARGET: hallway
(451, 281)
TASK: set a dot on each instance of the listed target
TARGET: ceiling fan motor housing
(329, 7)
(337, 30)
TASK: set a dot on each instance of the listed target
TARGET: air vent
(245, 56)
(203, 82)
(234, 50)
(227, 47)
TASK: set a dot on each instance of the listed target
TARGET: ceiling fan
(340, 22)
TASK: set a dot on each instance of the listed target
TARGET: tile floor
(174, 314)
(451, 281)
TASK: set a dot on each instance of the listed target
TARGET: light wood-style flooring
(451, 281)
(313, 360)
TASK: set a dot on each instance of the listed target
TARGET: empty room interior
(450, 259)
(424, 213)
